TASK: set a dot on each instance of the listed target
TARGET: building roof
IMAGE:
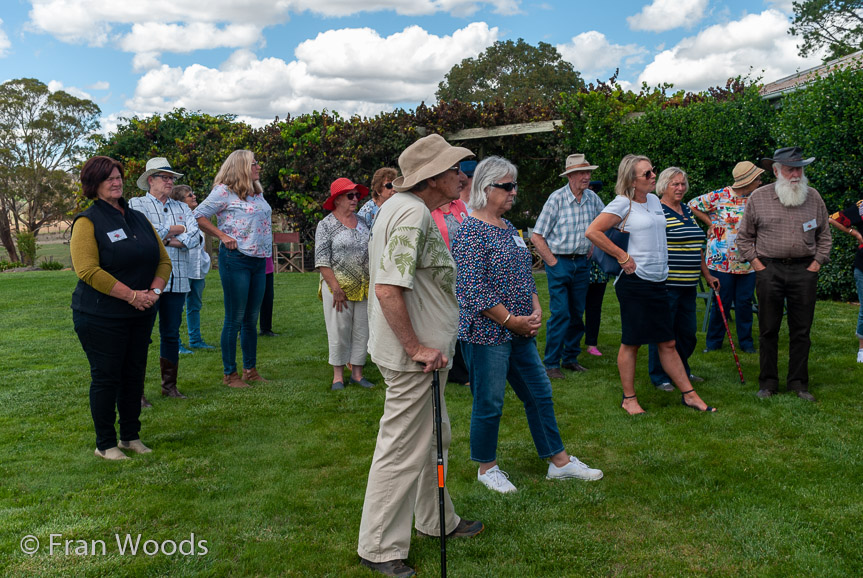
(797, 80)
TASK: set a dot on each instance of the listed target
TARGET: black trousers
(266, 318)
(777, 284)
(593, 312)
(117, 352)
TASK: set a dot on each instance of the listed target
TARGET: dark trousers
(735, 291)
(681, 301)
(170, 308)
(117, 352)
(777, 284)
(266, 318)
(593, 312)
(459, 373)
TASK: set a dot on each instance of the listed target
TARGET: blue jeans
(491, 366)
(681, 301)
(193, 311)
(736, 291)
(858, 278)
(243, 279)
(170, 307)
(567, 292)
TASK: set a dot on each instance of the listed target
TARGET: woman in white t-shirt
(644, 312)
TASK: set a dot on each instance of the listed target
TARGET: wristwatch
(156, 290)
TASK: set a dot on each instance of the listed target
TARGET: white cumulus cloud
(664, 15)
(5, 45)
(595, 57)
(158, 37)
(757, 41)
(339, 70)
(55, 85)
(100, 85)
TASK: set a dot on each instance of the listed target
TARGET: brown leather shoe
(253, 375)
(554, 373)
(169, 379)
(233, 380)
(144, 402)
(574, 367)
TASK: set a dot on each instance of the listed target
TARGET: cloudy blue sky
(260, 59)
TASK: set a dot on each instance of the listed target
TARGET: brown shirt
(770, 229)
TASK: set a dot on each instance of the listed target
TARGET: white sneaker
(860, 356)
(496, 479)
(574, 469)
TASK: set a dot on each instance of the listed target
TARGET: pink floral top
(249, 221)
(725, 210)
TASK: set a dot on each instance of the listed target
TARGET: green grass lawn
(273, 477)
(53, 251)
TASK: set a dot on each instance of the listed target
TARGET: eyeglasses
(190, 195)
(649, 173)
(455, 168)
(508, 187)
(388, 186)
(352, 196)
(166, 178)
(256, 164)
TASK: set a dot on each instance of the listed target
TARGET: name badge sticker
(809, 225)
(519, 242)
(117, 235)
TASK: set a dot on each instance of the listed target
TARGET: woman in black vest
(122, 267)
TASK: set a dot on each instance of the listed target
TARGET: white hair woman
(499, 316)
(644, 312)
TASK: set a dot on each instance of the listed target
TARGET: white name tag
(519, 241)
(117, 235)
(809, 225)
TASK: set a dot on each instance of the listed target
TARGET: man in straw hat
(785, 234)
(174, 223)
(721, 211)
(559, 239)
(413, 319)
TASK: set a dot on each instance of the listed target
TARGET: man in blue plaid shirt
(559, 239)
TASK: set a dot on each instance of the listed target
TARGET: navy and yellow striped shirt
(685, 242)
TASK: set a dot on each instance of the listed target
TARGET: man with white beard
(785, 235)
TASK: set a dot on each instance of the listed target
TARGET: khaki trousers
(403, 476)
(347, 330)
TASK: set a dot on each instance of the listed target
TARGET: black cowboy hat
(788, 156)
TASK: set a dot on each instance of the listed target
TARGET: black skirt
(645, 316)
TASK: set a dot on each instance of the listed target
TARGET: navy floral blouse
(494, 267)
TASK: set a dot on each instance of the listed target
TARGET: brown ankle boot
(169, 378)
(233, 380)
(253, 375)
(144, 402)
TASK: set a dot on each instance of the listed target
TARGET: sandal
(683, 401)
(625, 397)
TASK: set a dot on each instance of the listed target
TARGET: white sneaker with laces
(860, 356)
(496, 479)
(574, 469)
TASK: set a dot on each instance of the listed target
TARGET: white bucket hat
(155, 165)
(575, 163)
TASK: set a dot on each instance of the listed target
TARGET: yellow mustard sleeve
(85, 257)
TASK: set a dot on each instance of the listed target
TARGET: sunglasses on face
(388, 186)
(508, 187)
(649, 173)
(352, 196)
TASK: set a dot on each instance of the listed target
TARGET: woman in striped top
(685, 241)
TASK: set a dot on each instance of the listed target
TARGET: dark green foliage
(51, 265)
(10, 264)
(27, 246)
(836, 25)
(826, 120)
(511, 72)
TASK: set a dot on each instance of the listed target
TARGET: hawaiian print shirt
(725, 210)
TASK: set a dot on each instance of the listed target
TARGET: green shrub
(50, 264)
(10, 265)
(27, 246)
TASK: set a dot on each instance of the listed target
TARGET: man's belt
(788, 260)
(571, 256)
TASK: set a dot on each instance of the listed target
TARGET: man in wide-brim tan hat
(721, 210)
(559, 238)
(413, 319)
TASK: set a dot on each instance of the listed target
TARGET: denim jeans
(567, 292)
(243, 279)
(858, 278)
(193, 311)
(117, 352)
(491, 366)
(170, 307)
(736, 290)
(681, 301)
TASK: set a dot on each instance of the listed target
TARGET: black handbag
(619, 237)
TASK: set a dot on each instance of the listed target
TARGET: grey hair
(664, 180)
(625, 186)
(489, 170)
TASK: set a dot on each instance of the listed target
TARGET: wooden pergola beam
(504, 130)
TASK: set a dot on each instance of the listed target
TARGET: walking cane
(436, 402)
(728, 332)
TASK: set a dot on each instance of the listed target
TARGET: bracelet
(505, 320)
(625, 261)
(134, 296)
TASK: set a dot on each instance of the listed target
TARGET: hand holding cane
(436, 403)
(728, 332)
